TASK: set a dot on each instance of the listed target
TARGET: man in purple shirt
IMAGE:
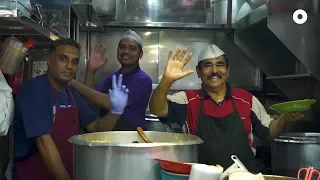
(140, 84)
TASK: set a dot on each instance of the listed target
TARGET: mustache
(212, 75)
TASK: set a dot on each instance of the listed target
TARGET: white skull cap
(211, 51)
(132, 35)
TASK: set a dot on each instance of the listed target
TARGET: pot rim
(301, 138)
(74, 140)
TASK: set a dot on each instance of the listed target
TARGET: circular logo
(300, 16)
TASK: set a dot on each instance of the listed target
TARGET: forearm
(89, 78)
(51, 157)
(98, 98)
(158, 104)
(106, 123)
(277, 126)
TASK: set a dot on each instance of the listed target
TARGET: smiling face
(63, 63)
(213, 72)
(129, 52)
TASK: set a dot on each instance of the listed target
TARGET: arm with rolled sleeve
(263, 124)
(138, 89)
(90, 121)
(275, 126)
(118, 96)
(37, 124)
(92, 96)
(177, 109)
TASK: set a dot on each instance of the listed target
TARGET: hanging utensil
(143, 135)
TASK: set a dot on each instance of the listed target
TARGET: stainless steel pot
(292, 151)
(116, 157)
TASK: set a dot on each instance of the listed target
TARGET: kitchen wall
(182, 11)
(243, 72)
(157, 42)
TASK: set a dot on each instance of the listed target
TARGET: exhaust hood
(287, 52)
(283, 49)
(178, 14)
(277, 44)
(16, 23)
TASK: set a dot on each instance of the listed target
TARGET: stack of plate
(294, 106)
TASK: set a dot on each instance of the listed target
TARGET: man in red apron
(224, 117)
(49, 112)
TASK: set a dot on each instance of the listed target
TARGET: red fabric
(65, 125)
(242, 99)
(15, 81)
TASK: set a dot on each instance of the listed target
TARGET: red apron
(65, 125)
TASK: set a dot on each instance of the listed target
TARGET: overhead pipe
(229, 15)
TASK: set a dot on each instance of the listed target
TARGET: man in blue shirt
(49, 112)
(129, 53)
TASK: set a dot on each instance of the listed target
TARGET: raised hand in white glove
(118, 95)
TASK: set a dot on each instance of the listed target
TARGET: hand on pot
(118, 95)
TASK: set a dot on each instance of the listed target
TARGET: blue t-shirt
(34, 112)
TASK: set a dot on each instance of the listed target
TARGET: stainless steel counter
(153, 123)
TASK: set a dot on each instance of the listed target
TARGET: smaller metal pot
(292, 151)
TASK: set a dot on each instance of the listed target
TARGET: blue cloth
(35, 109)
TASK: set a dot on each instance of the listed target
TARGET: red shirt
(183, 109)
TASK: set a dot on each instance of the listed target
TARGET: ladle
(143, 135)
(238, 162)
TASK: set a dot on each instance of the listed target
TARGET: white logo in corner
(300, 16)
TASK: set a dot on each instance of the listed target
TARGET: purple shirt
(140, 88)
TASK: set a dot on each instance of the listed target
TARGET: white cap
(132, 35)
(212, 51)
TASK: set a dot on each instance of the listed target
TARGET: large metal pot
(292, 151)
(117, 157)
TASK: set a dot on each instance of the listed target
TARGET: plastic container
(172, 176)
(12, 55)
